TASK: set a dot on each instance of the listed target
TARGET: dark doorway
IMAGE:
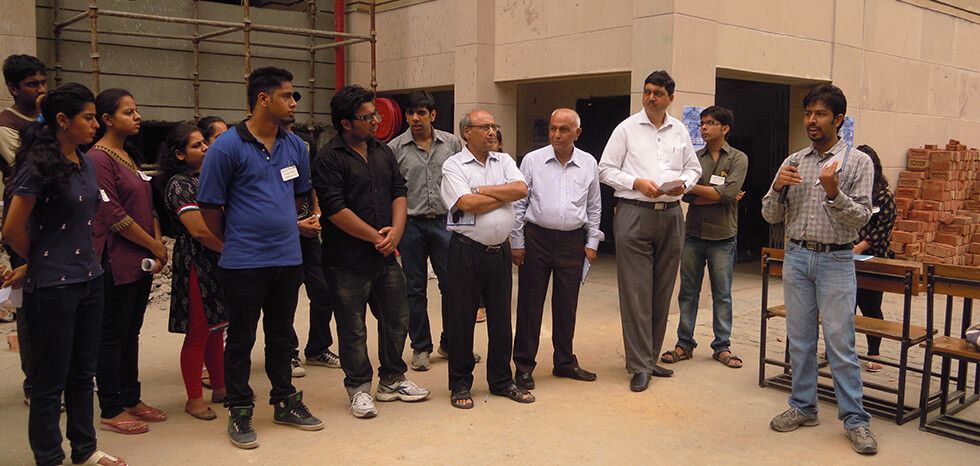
(761, 130)
(600, 115)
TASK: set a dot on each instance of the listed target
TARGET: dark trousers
(118, 369)
(548, 252)
(383, 288)
(424, 239)
(271, 292)
(65, 343)
(475, 271)
(320, 339)
(869, 302)
(23, 327)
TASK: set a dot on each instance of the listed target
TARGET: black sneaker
(292, 412)
(240, 430)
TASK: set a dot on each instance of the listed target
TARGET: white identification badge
(103, 195)
(717, 180)
(875, 210)
(289, 173)
(143, 176)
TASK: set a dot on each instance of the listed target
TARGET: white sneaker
(404, 390)
(298, 370)
(362, 405)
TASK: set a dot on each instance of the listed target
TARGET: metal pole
(57, 46)
(70, 21)
(197, 67)
(93, 14)
(338, 46)
(311, 5)
(374, 43)
(247, 48)
(219, 32)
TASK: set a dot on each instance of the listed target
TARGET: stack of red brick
(938, 201)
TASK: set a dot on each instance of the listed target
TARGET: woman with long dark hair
(126, 232)
(196, 304)
(873, 239)
(50, 222)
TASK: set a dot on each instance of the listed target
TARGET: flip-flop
(872, 366)
(207, 415)
(148, 414)
(459, 398)
(728, 361)
(124, 426)
(516, 393)
(99, 455)
(675, 356)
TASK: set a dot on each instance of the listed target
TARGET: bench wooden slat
(953, 346)
(888, 329)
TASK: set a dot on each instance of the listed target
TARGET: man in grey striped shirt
(828, 201)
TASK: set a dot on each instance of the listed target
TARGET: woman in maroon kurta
(126, 232)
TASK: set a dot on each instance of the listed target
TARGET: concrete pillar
(18, 34)
(474, 70)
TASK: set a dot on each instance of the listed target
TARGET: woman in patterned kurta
(873, 240)
(196, 306)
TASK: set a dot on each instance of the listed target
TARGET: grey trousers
(648, 253)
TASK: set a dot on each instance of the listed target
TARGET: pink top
(126, 197)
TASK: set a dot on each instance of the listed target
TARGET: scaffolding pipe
(197, 66)
(93, 14)
(219, 32)
(57, 46)
(374, 43)
(70, 21)
(340, 62)
(247, 22)
(304, 48)
(168, 19)
(311, 6)
(342, 43)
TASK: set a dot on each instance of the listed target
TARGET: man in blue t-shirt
(249, 184)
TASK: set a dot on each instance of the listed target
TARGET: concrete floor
(705, 414)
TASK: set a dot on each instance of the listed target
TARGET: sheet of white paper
(4, 294)
(862, 257)
(585, 270)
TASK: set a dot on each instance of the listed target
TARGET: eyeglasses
(486, 127)
(710, 123)
(368, 117)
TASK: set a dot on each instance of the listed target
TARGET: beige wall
(911, 71)
(16, 34)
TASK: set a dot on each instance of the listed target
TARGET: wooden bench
(886, 275)
(954, 282)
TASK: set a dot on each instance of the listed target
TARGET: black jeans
(23, 327)
(869, 301)
(119, 348)
(383, 288)
(473, 271)
(424, 239)
(65, 342)
(271, 292)
(316, 290)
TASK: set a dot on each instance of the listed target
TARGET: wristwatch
(475, 190)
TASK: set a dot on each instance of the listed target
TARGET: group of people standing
(248, 202)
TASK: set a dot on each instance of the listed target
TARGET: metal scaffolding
(340, 39)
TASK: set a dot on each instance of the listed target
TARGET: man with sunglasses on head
(249, 185)
(479, 187)
(363, 194)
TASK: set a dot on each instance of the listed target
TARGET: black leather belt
(821, 247)
(426, 217)
(651, 205)
(478, 245)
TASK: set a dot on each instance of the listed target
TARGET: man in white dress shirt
(650, 162)
(556, 231)
(479, 188)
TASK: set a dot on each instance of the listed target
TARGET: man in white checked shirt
(556, 230)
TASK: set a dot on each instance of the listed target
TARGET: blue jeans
(424, 239)
(819, 288)
(720, 258)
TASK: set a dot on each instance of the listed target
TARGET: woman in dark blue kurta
(56, 196)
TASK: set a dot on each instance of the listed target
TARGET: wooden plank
(957, 347)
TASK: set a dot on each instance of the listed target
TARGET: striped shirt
(808, 214)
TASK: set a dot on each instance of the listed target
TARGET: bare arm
(194, 222)
(510, 192)
(350, 223)
(478, 203)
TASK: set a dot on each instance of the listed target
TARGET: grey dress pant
(648, 252)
